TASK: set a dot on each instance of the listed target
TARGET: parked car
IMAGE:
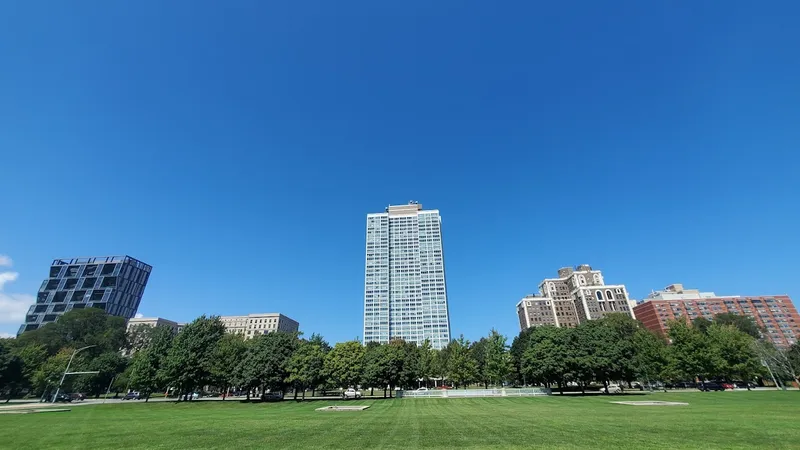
(77, 396)
(423, 388)
(614, 389)
(63, 398)
(685, 385)
(745, 385)
(272, 396)
(730, 386)
(710, 386)
(351, 393)
(132, 396)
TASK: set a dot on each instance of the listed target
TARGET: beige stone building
(577, 295)
(254, 324)
(248, 326)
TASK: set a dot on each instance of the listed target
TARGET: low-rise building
(254, 324)
(774, 313)
(153, 322)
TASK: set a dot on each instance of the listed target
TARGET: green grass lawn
(712, 420)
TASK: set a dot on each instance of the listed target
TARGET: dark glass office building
(112, 283)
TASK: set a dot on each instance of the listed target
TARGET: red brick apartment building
(775, 313)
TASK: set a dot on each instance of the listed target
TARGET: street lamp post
(67, 370)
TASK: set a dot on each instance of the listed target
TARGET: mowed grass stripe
(766, 419)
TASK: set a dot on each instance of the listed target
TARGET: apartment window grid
(404, 263)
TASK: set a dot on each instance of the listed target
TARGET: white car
(423, 388)
(351, 393)
(614, 389)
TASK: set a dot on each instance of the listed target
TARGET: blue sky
(238, 147)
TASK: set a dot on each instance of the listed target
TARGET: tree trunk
(147, 397)
(371, 391)
(384, 392)
(583, 388)
(304, 394)
(295, 393)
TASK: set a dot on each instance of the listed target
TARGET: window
(609, 295)
(41, 297)
(54, 271)
(71, 283)
(52, 285)
(77, 296)
(60, 297)
(109, 282)
(108, 269)
(60, 308)
(72, 271)
(599, 295)
(89, 283)
(97, 295)
(90, 271)
(39, 309)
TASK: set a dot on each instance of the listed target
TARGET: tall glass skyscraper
(405, 295)
(111, 283)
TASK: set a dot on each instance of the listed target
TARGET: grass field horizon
(712, 420)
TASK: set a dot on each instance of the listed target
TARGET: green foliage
(745, 324)
(344, 364)
(11, 373)
(460, 366)
(149, 365)
(189, 362)
(266, 361)
(306, 366)
(544, 361)
(109, 364)
(139, 337)
(228, 353)
(497, 364)
(48, 375)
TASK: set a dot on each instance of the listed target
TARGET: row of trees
(616, 348)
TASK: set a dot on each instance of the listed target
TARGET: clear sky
(238, 146)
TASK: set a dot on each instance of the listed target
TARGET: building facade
(248, 326)
(776, 314)
(405, 293)
(114, 284)
(152, 322)
(578, 294)
(252, 325)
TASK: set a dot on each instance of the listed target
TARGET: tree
(651, 358)
(427, 362)
(33, 356)
(149, 365)
(48, 375)
(229, 351)
(108, 364)
(733, 353)
(624, 327)
(266, 361)
(11, 373)
(190, 359)
(477, 351)
(497, 360)
(306, 366)
(689, 354)
(139, 337)
(461, 367)
(344, 364)
(545, 359)
(745, 324)
(372, 374)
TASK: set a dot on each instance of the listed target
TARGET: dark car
(131, 396)
(743, 385)
(710, 386)
(77, 396)
(65, 398)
